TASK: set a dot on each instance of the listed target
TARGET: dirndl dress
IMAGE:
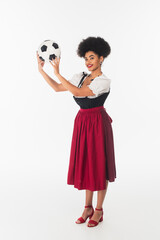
(92, 157)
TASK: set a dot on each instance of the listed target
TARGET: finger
(52, 63)
(38, 57)
(55, 61)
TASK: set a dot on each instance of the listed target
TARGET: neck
(96, 72)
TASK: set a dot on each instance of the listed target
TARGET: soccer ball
(49, 49)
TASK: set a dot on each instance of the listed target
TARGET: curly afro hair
(97, 45)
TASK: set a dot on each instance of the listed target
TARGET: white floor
(36, 210)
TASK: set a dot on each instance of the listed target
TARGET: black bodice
(85, 102)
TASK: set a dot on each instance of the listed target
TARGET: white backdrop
(36, 123)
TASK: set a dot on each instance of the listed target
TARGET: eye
(90, 58)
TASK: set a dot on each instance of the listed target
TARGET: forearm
(73, 89)
(49, 80)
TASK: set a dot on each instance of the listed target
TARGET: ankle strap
(88, 206)
(99, 209)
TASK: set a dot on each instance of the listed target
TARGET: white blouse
(99, 85)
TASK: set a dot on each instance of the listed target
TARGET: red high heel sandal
(81, 219)
(95, 222)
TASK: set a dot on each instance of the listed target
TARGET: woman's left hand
(55, 63)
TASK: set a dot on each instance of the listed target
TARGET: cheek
(95, 62)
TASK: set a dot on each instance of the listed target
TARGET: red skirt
(92, 158)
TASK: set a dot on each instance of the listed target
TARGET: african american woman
(92, 157)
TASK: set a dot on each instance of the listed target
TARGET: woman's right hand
(40, 62)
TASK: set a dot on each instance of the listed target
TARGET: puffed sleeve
(100, 85)
(75, 79)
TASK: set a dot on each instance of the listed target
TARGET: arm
(66, 86)
(58, 87)
(61, 88)
(49, 80)
(83, 91)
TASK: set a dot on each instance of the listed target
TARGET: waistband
(92, 109)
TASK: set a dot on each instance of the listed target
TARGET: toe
(89, 224)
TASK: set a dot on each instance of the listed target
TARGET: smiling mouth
(89, 66)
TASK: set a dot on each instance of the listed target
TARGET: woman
(92, 159)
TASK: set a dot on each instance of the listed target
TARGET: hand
(40, 62)
(55, 63)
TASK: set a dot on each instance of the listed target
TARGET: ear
(101, 58)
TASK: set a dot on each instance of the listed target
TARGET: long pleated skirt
(92, 156)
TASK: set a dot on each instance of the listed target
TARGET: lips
(89, 65)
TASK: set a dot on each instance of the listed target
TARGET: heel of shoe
(101, 219)
(83, 220)
(101, 209)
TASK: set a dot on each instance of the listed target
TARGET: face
(91, 58)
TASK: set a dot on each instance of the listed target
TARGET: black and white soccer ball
(49, 49)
